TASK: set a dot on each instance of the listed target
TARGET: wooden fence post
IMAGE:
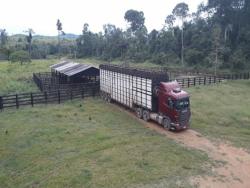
(188, 81)
(1, 104)
(199, 80)
(71, 95)
(59, 97)
(17, 102)
(46, 97)
(194, 81)
(82, 92)
(205, 80)
(214, 79)
(31, 99)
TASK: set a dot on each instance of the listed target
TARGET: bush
(193, 56)
(20, 56)
(165, 58)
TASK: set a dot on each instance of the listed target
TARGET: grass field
(223, 112)
(89, 144)
(93, 144)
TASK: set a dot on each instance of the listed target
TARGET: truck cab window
(182, 104)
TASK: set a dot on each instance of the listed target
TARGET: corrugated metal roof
(70, 68)
(77, 69)
(59, 64)
(66, 66)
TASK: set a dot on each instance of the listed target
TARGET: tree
(59, 29)
(20, 56)
(85, 43)
(170, 19)
(136, 19)
(216, 35)
(29, 38)
(136, 35)
(181, 12)
(4, 37)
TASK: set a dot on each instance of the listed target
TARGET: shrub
(20, 56)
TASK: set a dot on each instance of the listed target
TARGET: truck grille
(184, 116)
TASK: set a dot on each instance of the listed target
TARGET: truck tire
(146, 115)
(108, 98)
(102, 95)
(167, 123)
(139, 112)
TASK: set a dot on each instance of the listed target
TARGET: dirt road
(235, 173)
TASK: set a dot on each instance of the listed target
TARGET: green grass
(89, 145)
(61, 146)
(222, 111)
(16, 78)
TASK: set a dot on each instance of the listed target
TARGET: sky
(41, 15)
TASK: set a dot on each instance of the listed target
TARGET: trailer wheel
(146, 115)
(166, 123)
(102, 95)
(139, 113)
(108, 98)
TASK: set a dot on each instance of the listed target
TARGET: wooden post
(182, 82)
(59, 97)
(82, 92)
(188, 82)
(31, 99)
(205, 80)
(199, 80)
(46, 97)
(209, 79)
(214, 79)
(194, 81)
(17, 102)
(1, 104)
(71, 94)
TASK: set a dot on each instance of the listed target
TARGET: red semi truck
(149, 93)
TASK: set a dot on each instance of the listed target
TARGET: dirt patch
(235, 171)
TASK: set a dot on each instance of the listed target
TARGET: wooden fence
(208, 80)
(46, 81)
(58, 96)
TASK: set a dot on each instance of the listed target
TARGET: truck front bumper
(178, 127)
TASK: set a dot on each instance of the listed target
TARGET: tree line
(216, 36)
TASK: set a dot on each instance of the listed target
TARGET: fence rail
(63, 92)
(46, 81)
(57, 96)
(208, 80)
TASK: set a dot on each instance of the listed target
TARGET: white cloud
(41, 15)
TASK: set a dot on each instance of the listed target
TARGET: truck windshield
(182, 104)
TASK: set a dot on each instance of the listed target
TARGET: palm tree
(59, 29)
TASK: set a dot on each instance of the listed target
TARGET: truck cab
(173, 106)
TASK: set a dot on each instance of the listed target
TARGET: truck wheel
(146, 115)
(108, 98)
(166, 123)
(102, 95)
(139, 113)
